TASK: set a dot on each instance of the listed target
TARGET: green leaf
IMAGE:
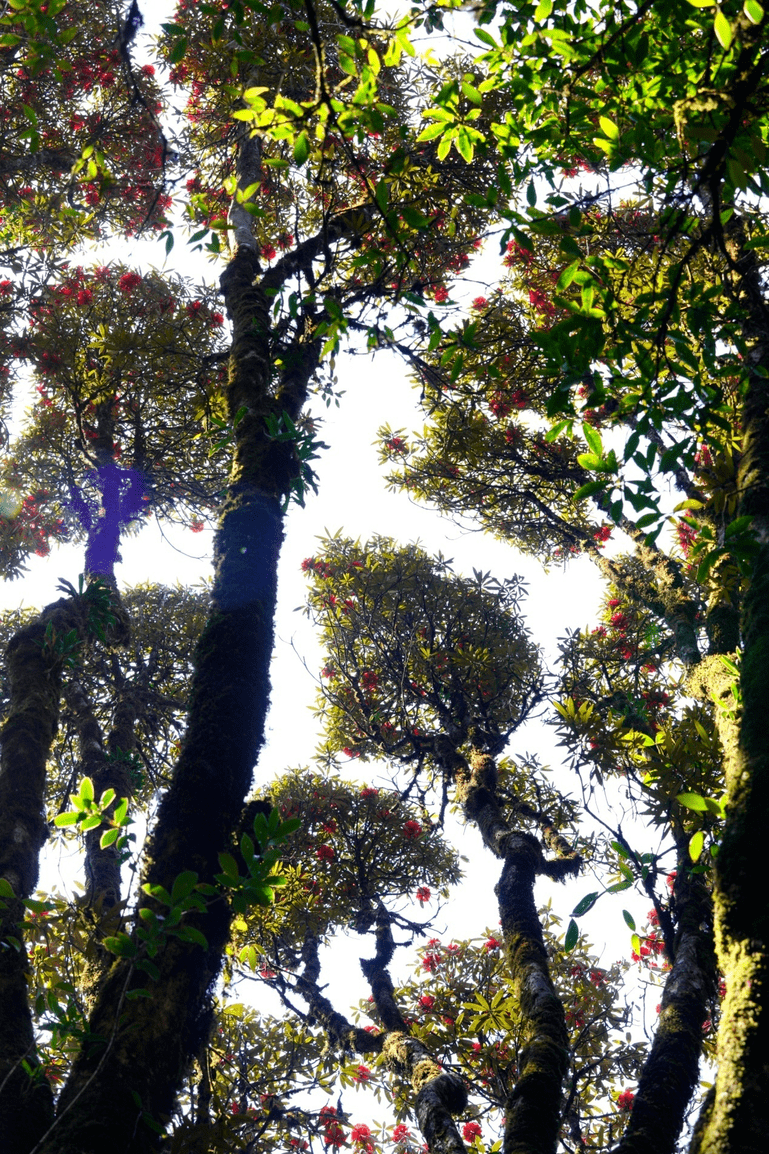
(696, 844)
(692, 801)
(109, 838)
(178, 51)
(629, 920)
(86, 789)
(413, 217)
(543, 10)
(589, 460)
(69, 818)
(6, 889)
(754, 11)
(191, 934)
(229, 865)
(585, 904)
(301, 148)
(589, 489)
(183, 885)
(593, 438)
(568, 275)
(723, 30)
(121, 945)
(572, 937)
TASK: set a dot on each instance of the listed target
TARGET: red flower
(427, 1001)
(412, 830)
(423, 894)
(401, 1133)
(471, 1131)
(268, 252)
(360, 1133)
(84, 297)
(197, 525)
(362, 1074)
(491, 944)
(625, 1101)
(480, 303)
(441, 294)
(369, 791)
(324, 853)
(127, 282)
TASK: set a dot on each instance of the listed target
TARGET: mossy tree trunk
(736, 1117)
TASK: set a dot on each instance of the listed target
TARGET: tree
(638, 327)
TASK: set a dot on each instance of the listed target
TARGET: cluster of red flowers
(369, 791)
(396, 445)
(687, 535)
(423, 894)
(129, 281)
(491, 944)
(432, 959)
(541, 302)
(333, 1132)
(517, 254)
(651, 946)
(362, 1074)
(361, 1136)
(602, 534)
(412, 830)
(401, 1133)
(471, 1131)
(319, 567)
(625, 1101)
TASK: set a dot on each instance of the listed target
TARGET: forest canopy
(328, 175)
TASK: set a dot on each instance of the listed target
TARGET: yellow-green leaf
(609, 128)
(723, 30)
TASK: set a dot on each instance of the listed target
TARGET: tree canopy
(350, 175)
